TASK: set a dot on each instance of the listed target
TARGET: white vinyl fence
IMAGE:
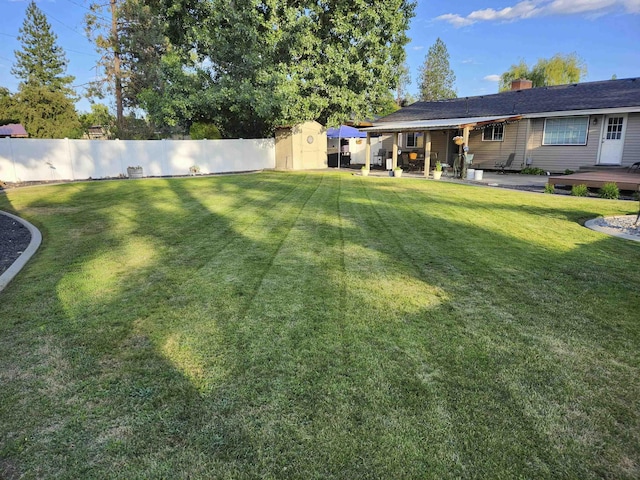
(23, 159)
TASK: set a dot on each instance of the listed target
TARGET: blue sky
(484, 37)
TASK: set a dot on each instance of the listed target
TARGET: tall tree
(40, 61)
(403, 97)
(557, 70)
(46, 113)
(262, 64)
(436, 77)
(44, 102)
(130, 39)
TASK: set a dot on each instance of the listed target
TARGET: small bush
(568, 172)
(609, 190)
(579, 191)
(204, 131)
(549, 188)
(532, 171)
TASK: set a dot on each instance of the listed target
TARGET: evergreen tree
(45, 113)
(403, 97)
(41, 62)
(43, 104)
(436, 77)
(130, 39)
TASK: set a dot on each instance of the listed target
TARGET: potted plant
(364, 171)
(437, 173)
(397, 172)
(134, 172)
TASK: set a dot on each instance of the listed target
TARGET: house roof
(438, 124)
(13, 130)
(578, 97)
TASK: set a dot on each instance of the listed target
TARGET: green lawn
(319, 325)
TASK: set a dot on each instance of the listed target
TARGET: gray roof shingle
(578, 96)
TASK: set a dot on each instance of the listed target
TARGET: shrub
(568, 172)
(532, 171)
(579, 191)
(609, 190)
(204, 131)
(549, 188)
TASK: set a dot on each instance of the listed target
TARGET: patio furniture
(380, 157)
(503, 165)
(634, 168)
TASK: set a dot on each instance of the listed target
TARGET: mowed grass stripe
(319, 325)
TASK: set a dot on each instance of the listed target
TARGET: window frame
(545, 134)
(414, 136)
(493, 133)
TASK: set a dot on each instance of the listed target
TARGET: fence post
(13, 161)
(73, 174)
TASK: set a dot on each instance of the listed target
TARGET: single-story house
(13, 130)
(556, 128)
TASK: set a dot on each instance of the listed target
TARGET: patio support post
(394, 157)
(367, 152)
(465, 137)
(427, 152)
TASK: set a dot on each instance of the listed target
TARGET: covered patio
(426, 156)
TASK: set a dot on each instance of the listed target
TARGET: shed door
(613, 139)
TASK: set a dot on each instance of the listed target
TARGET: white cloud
(418, 47)
(492, 78)
(540, 8)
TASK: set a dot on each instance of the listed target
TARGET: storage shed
(301, 147)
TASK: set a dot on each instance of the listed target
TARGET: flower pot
(413, 156)
(134, 172)
(397, 173)
(437, 174)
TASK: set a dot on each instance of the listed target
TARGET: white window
(565, 131)
(494, 133)
(412, 140)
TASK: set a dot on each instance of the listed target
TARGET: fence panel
(36, 160)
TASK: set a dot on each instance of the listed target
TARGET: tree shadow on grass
(312, 326)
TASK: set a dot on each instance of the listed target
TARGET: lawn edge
(21, 261)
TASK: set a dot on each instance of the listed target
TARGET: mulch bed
(14, 239)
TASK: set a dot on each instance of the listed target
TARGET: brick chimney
(521, 84)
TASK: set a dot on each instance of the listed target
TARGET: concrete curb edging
(608, 231)
(21, 261)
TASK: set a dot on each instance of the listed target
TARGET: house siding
(486, 154)
(558, 158)
(631, 152)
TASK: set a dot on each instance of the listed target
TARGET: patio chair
(635, 168)
(503, 165)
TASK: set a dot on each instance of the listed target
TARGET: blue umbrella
(345, 131)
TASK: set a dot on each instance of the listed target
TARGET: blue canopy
(344, 131)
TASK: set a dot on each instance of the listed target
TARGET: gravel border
(21, 261)
(621, 226)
